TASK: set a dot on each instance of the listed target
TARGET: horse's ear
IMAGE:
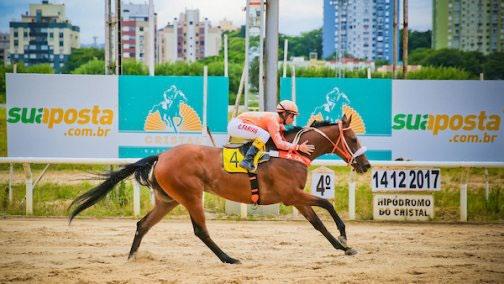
(346, 120)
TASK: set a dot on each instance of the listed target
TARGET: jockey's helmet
(287, 106)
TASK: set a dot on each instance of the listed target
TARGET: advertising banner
(447, 120)
(61, 115)
(420, 120)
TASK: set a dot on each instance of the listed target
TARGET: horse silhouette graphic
(337, 103)
(172, 114)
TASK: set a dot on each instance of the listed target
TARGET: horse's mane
(315, 124)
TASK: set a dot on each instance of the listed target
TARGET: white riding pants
(238, 128)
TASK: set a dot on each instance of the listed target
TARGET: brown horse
(182, 174)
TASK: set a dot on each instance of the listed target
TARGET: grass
(3, 133)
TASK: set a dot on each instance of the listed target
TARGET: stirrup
(248, 166)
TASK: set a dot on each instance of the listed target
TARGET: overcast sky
(296, 16)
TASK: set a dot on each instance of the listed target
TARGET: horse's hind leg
(195, 209)
(161, 208)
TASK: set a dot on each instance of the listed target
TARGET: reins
(344, 150)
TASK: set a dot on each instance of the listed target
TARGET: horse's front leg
(312, 217)
(302, 198)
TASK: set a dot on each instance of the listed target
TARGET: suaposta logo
(55, 116)
(441, 122)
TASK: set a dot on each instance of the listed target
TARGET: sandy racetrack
(47, 250)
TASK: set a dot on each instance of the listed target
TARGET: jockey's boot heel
(248, 161)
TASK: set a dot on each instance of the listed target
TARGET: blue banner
(171, 104)
(157, 113)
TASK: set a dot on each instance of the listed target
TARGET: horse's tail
(141, 169)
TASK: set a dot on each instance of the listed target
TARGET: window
(51, 35)
(15, 34)
(141, 29)
(61, 35)
(16, 43)
(60, 43)
(25, 34)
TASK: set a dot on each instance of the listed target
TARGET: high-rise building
(4, 47)
(44, 35)
(468, 25)
(135, 32)
(188, 38)
(358, 28)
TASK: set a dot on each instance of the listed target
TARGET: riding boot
(248, 161)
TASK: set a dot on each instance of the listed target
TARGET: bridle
(340, 147)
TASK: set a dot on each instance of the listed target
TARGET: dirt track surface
(49, 251)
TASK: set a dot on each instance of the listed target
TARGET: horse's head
(349, 148)
(342, 141)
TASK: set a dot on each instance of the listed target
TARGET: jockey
(260, 126)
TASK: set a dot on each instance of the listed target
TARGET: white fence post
(226, 72)
(487, 186)
(29, 189)
(463, 195)
(136, 197)
(351, 196)
(11, 174)
(243, 210)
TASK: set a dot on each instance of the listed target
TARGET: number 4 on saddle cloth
(234, 152)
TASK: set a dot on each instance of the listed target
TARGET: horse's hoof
(232, 261)
(350, 251)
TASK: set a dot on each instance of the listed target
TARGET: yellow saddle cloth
(232, 156)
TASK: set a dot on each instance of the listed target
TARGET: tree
(493, 67)
(80, 56)
(416, 40)
(45, 68)
(94, 66)
(302, 45)
(420, 56)
(133, 67)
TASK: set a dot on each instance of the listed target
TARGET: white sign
(403, 207)
(322, 182)
(406, 180)
(447, 120)
(62, 115)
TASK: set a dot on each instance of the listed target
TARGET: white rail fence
(27, 161)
